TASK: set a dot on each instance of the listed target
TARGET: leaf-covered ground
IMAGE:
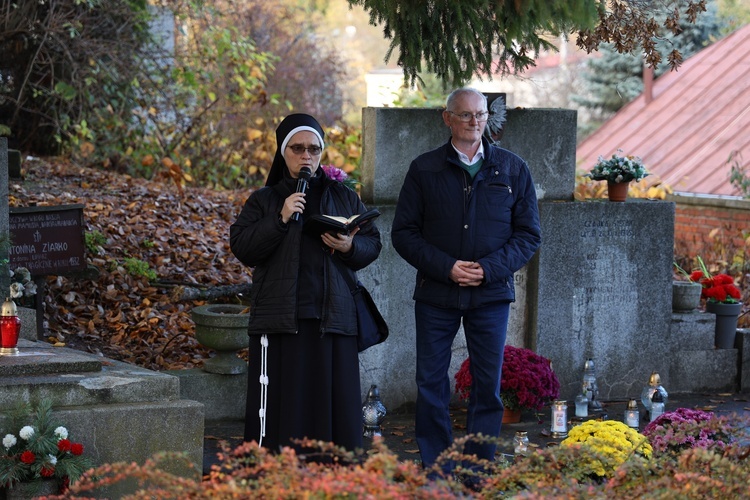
(184, 238)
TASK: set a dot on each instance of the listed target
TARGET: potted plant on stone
(528, 382)
(618, 171)
(722, 299)
(686, 293)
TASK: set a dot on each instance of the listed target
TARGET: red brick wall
(717, 229)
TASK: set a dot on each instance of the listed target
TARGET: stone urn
(686, 296)
(223, 328)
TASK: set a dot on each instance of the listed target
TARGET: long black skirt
(313, 389)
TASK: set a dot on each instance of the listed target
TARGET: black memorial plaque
(47, 240)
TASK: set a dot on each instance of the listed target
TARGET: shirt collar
(470, 161)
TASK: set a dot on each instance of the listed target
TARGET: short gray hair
(459, 92)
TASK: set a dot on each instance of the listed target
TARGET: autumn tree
(456, 39)
(614, 79)
(188, 90)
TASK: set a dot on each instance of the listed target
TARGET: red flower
(76, 449)
(719, 288)
(28, 457)
(64, 445)
(528, 380)
(47, 471)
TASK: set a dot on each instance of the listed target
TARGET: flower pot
(617, 191)
(511, 416)
(686, 296)
(726, 323)
(223, 328)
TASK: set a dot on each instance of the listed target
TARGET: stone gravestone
(605, 274)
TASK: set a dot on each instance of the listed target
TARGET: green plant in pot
(686, 293)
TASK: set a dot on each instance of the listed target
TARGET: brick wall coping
(718, 201)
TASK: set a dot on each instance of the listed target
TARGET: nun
(303, 372)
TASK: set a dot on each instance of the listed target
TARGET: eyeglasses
(466, 117)
(298, 149)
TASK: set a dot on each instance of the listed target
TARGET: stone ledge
(693, 330)
(224, 396)
(703, 370)
(115, 382)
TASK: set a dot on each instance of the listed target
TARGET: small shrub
(136, 267)
(94, 240)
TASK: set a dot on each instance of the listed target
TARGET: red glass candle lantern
(10, 328)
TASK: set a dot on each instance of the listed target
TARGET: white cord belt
(263, 386)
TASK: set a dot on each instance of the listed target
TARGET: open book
(318, 224)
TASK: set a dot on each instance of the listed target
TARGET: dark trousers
(485, 329)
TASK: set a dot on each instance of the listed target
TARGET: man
(466, 219)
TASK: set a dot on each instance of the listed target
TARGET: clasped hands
(467, 273)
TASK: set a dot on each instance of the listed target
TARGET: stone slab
(743, 335)
(114, 383)
(223, 396)
(605, 280)
(692, 331)
(28, 323)
(705, 370)
(113, 433)
(14, 164)
(41, 358)
(393, 137)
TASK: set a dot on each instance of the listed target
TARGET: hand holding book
(319, 224)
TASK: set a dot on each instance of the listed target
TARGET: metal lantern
(10, 328)
(654, 384)
(373, 413)
(591, 389)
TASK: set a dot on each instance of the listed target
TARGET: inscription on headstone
(47, 240)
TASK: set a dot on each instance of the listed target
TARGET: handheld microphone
(304, 175)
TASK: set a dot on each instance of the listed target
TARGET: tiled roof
(697, 117)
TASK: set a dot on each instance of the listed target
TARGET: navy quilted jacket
(443, 216)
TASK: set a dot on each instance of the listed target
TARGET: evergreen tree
(456, 39)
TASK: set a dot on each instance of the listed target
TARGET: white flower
(29, 289)
(52, 459)
(24, 273)
(9, 440)
(16, 290)
(61, 432)
(26, 432)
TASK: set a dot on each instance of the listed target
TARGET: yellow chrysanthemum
(612, 441)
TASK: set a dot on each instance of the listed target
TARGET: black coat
(259, 240)
(443, 216)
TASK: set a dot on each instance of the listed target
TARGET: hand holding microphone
(302, 180)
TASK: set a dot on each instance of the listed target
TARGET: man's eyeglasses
(298, 149)
(466, 117)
